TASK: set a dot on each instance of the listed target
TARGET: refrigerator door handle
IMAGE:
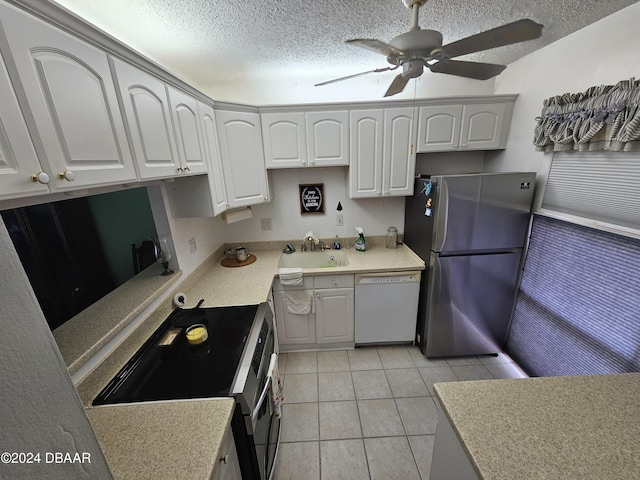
(441, 215)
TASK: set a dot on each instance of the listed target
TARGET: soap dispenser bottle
(361, 245)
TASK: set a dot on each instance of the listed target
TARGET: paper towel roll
(233, 216)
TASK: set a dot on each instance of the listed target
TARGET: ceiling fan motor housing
(415, 44)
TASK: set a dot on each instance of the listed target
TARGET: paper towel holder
(232, 216)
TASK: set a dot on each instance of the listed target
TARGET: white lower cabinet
(331, 322)
(228, 463)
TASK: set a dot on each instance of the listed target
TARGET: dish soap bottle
(361, 245)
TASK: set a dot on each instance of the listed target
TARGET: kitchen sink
(322, 259)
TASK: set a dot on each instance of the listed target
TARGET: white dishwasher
(386, 307)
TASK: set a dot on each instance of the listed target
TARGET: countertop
(163, 440)
(132, 434)
(582, 427)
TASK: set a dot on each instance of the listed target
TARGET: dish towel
(300, 302)
(277, 392)
(290, 276)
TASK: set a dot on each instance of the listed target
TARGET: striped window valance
(602, 118)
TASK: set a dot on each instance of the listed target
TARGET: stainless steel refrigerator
(470, 230)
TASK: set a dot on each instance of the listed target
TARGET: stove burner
(186, 318)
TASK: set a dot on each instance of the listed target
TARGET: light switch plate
(193, 248)
(265, 224)
(339, 220)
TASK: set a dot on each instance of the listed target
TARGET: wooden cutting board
(233, 262)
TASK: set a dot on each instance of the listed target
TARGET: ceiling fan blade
(397, 85)
(515, 32)
(377, 70)
(478, 71)
(375, 46)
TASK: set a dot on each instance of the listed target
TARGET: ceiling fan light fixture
(412, 68)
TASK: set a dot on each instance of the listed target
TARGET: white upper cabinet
(20, 171)
(212, 153)
(201, 195)
(399, 165)
(284, 138)
(439, 128)
(327, 138)
(240, 136)
(481, 126)
(148, 116)
(184, 111)
(382, 152)
(72, 102)
(365, 173)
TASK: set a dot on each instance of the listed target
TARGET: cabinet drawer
(307, 284)
(333, 281)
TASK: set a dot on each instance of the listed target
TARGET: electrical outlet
(339, 220)
(193, 248)
(265, 224)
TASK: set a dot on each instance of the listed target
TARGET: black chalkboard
(312, 198)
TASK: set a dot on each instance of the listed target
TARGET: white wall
(296, 89)
(602, 54)
(39, 408)
(374, 215)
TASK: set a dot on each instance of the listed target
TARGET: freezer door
(484, 212)
(469, 306)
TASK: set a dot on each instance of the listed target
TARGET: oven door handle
(263, 395)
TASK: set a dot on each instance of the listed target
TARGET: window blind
(578, 305)
(603, 186)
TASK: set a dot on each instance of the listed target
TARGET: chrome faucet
(311, 238)
(312, 243)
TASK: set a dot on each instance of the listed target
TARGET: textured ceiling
(216, 42)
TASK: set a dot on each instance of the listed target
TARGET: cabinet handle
(179, 169)
(67, 175)
(455, 145)
(334, 282)
(187, 168)
(40, 177)
(411, 149)
(386, 192)
(225, 459)
(317, 295)
(464, 145)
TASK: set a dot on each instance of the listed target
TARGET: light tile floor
(367, 413)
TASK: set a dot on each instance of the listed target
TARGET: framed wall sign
(312, 198)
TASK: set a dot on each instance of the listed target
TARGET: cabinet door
(284, 138)
(148, 116)
(18, 159)
(228, 463)
(212, 154)
(242, 155)
(72, 101)
(327, 138)
(439, 128)
(482, 127)
(184, 110)
(335, 319)
(399, 166)
(292, 328)
(365, 151)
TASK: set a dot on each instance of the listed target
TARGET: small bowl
(197, 334)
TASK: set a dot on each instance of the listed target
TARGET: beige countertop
(163, 440)
(143, 440)
(582, 427)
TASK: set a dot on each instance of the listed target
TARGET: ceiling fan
(419, 48)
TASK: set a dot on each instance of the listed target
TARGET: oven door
(266, 432)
